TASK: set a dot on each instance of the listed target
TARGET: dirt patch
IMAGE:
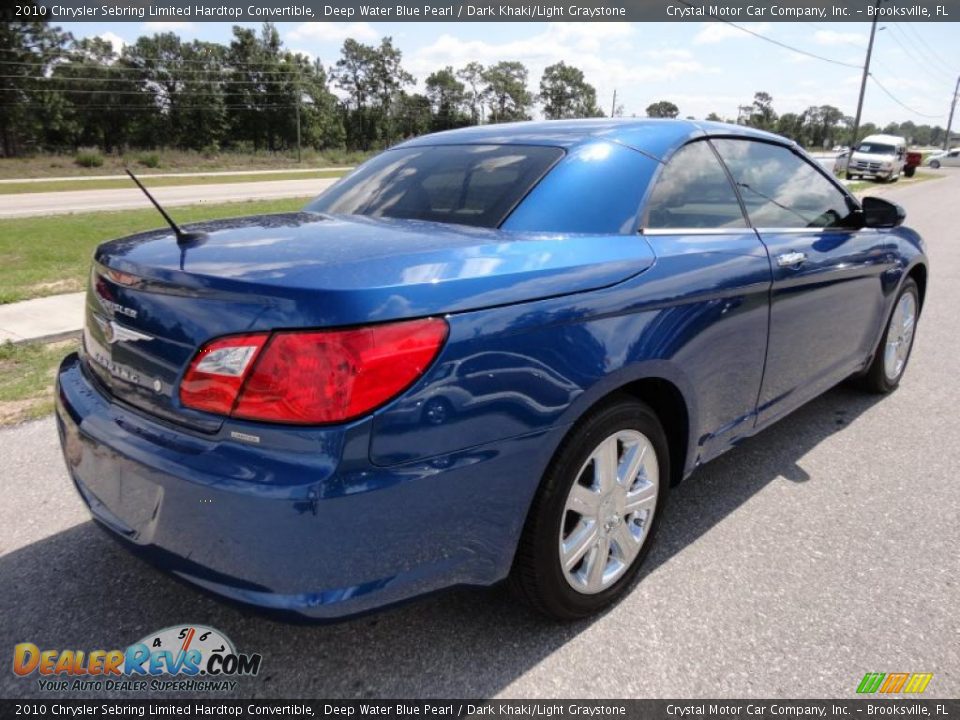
(17, 411)
(55, 287)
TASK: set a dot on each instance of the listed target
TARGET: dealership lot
(822, 549)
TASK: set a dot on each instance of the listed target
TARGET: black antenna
(183, 238)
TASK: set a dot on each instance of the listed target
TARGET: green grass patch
(27, 372)
(64, 185)
(165, 161)
(50, 255)
(865, 187)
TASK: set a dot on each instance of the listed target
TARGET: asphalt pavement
(826, 547)
(74, 201)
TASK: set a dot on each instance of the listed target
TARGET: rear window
(463, 184)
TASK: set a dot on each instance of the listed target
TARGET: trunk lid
(151, 304)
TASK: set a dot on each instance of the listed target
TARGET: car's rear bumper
(322, 533)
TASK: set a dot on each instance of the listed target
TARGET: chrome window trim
(809, 231)
(740, 231)
(696, 231)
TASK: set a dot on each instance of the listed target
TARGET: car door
(826, 297)
(951, 159)
(712, 282)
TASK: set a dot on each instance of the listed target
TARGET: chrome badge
(115, 332)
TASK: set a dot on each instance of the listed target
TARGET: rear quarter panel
(697, 319)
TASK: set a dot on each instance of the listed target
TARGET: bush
(210, 151)
(88, 158)
(150, 160)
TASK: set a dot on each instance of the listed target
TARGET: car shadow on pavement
(77, 589)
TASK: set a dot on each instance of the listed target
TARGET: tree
(713, 117)
(763, 115)
(506, 93)
(790, 125)
(565, 94)
(662, 109)
(30, 49)
(475, 88)
(374, 79)
(446, 96)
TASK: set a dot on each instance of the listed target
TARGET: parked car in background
(913, 161)
(945, 158)
(487, 353)
(840, 161)
(880, 157)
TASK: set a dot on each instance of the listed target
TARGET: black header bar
(480, 11)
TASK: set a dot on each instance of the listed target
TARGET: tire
(935, 164)
(888, 365)
(621, 426)
(848, 176)
(910, 171)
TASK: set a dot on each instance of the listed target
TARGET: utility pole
(299, 99)
(613, 106)
(953, 106)
(863, 82)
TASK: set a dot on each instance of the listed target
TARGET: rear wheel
(596, 512)
(910, 170)
(848, 176)
(890, 360)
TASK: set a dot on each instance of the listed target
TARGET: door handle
(791, 258)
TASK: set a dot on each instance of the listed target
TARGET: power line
(158, 81)
(898, 102)
(780, 44)
(74, 57)
(140, 93)
(921, 62)
(794, 49)
(926, 47)
(290, 72)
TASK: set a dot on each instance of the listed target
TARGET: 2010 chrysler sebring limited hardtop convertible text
(485, 354)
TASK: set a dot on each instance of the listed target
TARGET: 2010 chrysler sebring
(486, 353)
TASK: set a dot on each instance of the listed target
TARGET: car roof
(658, 138)
(881, 138)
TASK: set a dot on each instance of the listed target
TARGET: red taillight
(312, 377)
(216, 374)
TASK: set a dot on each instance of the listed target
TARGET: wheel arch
(919, 274)
(664, 392)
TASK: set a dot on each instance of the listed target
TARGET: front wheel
(910, 171)
(890, 360)
(935, 164)
(595, 515)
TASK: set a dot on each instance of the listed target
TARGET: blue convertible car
(485, 354)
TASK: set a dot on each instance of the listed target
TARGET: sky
(701, 67)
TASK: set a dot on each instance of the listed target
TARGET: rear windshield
(876, 148)
(464, 184)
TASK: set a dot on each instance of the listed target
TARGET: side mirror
(880, 213)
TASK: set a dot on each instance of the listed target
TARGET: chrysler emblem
(115, 332)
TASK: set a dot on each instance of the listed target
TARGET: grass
(62, 185)
(27, 372)
(864, 187)
(46, 165)
(49, 255)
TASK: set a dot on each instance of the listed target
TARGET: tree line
(59, 93)
(825, 126)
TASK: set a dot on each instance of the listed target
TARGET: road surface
(823, 548)
(73, 201)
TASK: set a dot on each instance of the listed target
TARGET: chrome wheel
(609, 511)
(900, 336)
